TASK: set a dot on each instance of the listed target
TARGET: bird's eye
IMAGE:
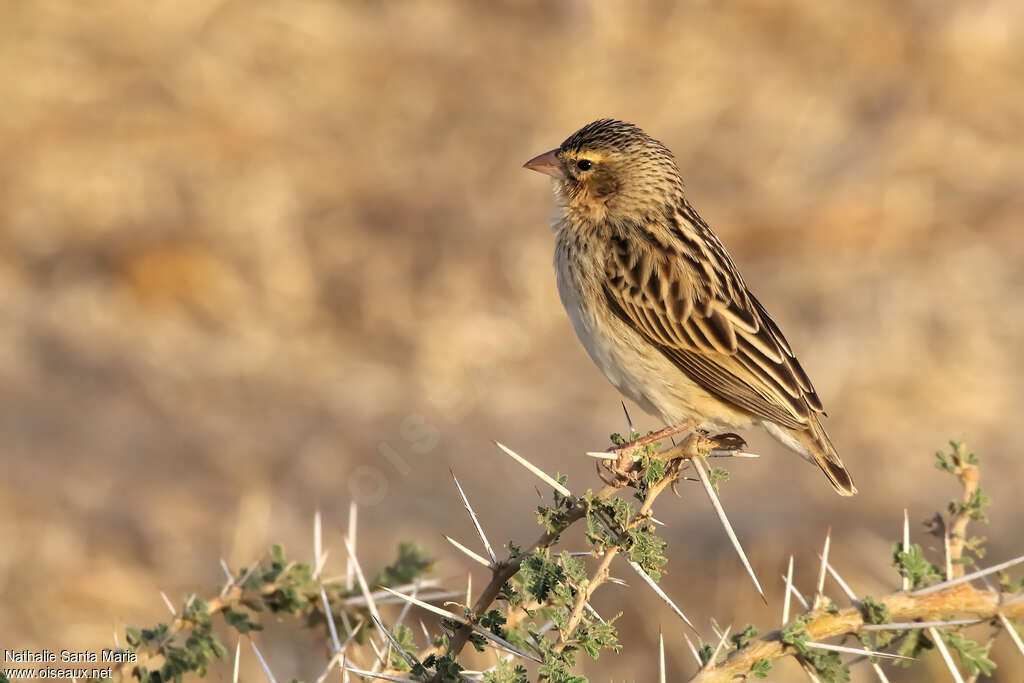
(584, 164)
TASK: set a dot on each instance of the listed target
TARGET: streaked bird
(659, 304)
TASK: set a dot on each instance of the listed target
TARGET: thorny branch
(903, 607)
(602, 572)
(967, 473)
(695, 445)
(935, 603)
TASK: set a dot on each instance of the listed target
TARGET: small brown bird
(659, 304)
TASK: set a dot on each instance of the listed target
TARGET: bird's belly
(638, 369)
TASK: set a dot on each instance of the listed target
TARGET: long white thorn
(810, 671)
(263, 662)
(330, 620)
(661, 594)
(426, 633)
(796, 594)
(543, 476)
(590, 608)
(409, 659)
(476, 521)
(319, 568)
(353, 523)
(406, 607)
(718, 648)
(167, 602)
(377, 675)
(238, 655)
(946, 657)
(352, 634)
(819, 595)
(715, 628)
(842, 584)
(789, 588)
(1012, 631)
(853, 598)
(380, 654)
(732, 454)
(661, 656)
(906, 625)
(856, 651)
(462, 620)
(318, 543)
(370, 604)
(906, 544)
(245, 575)
(360, 600)
(469, 553)
(693, 650)
(339, 656)
(383, 598)
(601, 455)
(230, 578)
(716, 503)
(969, 577)
(334, 660)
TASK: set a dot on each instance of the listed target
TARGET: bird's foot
(620, 471)
(727, 442)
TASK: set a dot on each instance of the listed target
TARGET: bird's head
(611, 170)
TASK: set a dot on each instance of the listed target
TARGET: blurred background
(262, 257)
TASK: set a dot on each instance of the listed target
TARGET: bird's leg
(623, 465)
(660, 435)
(620, 471)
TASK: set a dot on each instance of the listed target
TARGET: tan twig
(961, 599)
(957, 527)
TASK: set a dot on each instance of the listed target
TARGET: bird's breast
(620, 353)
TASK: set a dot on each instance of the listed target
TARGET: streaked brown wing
(692, 304)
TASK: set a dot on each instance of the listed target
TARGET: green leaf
(829, 666)
(874, 612)
(972, 655)
(912, 564)
(240, 621)
(647, 549)
(796, 634)
(717, 475)
(540, 575)
(506, 672)
(743, 638)
(413, 561)
(403, 635)
(914, 645)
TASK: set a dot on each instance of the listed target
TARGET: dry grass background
(261, 256)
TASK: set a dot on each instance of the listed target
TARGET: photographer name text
(69, 656)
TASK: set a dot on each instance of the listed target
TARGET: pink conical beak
(547, 163)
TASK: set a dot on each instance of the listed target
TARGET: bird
(660, 306)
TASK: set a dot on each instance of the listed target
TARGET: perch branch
(695, 445)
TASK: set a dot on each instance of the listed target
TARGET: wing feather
(703, 318)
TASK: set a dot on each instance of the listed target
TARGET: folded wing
(687, 299)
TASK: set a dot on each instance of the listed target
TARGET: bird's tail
(818, 446)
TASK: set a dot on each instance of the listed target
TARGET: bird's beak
(548, 164)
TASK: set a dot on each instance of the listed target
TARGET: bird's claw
(620, 471)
